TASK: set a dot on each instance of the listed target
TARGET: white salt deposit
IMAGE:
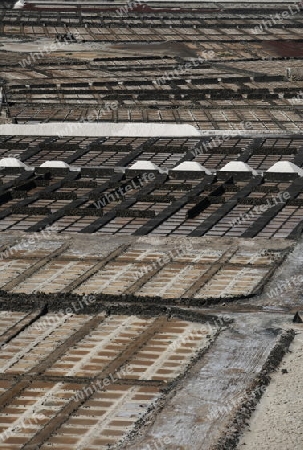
(285, 167)
(19, 4)
(13, 162)
(144, 165)
(191, 166)
(55, 164)
(237, 166)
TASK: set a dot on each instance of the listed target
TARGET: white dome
(55, 164)
(144, 165)
(285, 167)
(191, 166)
(237, 166)
(12, 162)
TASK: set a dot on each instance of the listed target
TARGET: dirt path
(195, 417)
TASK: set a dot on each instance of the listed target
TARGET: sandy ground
(277, 423)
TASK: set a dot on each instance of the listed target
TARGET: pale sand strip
(277, 423)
